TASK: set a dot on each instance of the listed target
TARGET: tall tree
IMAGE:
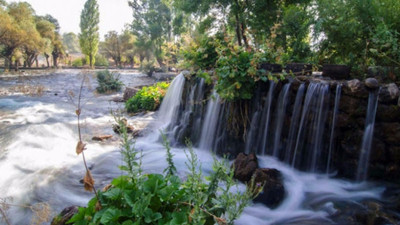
(89, 36)
(152, 24)
(71, 42)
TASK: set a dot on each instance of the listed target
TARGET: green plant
(100, 60)
(108, 82)
(77, 62)
(147, 98)
(148, 68)
(238, 71)
(201, 54)
(139, 198)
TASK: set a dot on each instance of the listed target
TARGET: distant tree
(152, 24)
(17, 28)
(89, 36)
(118, 47)
(71, 42)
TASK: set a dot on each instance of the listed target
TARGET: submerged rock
(65, 215)
(245, 166)
(274, 191)
(101, 137)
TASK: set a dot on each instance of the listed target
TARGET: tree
(71, 42)
(17, 24)
(118, 47)
(89, 36)
(152, 24)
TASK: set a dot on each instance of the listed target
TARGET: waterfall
(362, 170)
(252, 132)
(306, 107)
(171, 102)
(279, 117)
(266, 118)
(333, 124)
(318, 126)
(210, 122)
(294, 123)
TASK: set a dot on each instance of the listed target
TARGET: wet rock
(388, 113)
(355, 88)
(65, 215)
(389, 94)
(371, 83)
(336, 71)
(117, 128)
(244, 166)
(101, 137)
(274, 191)
(130, 92)
(353, 106)
(390, 132)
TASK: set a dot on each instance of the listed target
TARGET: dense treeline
(25, 35)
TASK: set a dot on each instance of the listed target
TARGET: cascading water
(42, 165)
(266, 118)
(362, 170)
(333, 124)
(294, 123)
(210, 122)
(279, 117)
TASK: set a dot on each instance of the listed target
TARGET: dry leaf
(88, 181)
(80, 147)
(78, 112)
(106, 188)
(98, 206)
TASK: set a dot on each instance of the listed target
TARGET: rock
(101, 137)
(129, 128)
(244, 166)
(390, 132)
(336, 72)
(371, 83)
(65, 215)
(387, 113)
(274, 191)
(355, 88)
(393, 91)
(130, 92)
(389, 94)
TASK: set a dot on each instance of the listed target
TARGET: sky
(114, 14)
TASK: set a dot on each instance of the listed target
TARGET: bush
(108, 82)
(139, 198)
(147, 98)
(100, 60)
(77, 62)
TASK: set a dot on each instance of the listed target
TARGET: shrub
(108, 82)
(139, 198)
(77, 62)
(100, 60)
(147, 98)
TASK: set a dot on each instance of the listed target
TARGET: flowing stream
(39, 163)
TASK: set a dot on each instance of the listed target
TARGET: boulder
(371, 83)
(101, 137)
(117, 128)
(130, 92)
(244, 166)
(337, 72)
(65, 215)
(355, 88)
(389, 94)
(273, 192)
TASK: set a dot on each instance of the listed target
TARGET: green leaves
(108, 82)
(147, 98)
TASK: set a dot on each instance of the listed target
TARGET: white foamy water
(39, 163)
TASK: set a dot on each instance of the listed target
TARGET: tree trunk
(37, 61)
(91, 61)
(245, 41)
(238, 35)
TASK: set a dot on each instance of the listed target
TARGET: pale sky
(114, 14)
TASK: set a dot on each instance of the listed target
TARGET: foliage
(147, 98)
(139, 198)
(77, 62)
(202, 53)
(89, 36)
(71, 42)
(118, 46)
(238, 70)
(108, 82)
(100, 60)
